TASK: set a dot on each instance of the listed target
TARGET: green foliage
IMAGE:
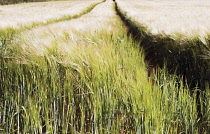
(6, 37)
(102, 87)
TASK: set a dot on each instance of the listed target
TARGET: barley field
(21, 14)
(189, 17)
(91, 22)
(174, 34)
(91, 68)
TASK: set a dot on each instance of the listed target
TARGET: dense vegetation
(179, 54)
(98, 85)
(101, 87)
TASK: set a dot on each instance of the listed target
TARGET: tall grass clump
(6, 38)
(98, 86)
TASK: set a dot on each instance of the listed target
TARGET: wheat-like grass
(99, 85)
(40, 38)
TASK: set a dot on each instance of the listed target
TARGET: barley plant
(100, 86)
(96, 84)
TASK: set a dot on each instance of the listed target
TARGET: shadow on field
(187, 58)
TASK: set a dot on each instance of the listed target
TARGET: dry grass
(189, 17)
(38, 39)
(13, 15)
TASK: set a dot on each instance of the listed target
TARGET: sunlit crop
(90, 74)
